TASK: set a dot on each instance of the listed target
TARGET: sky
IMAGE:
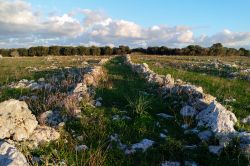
(136, 23)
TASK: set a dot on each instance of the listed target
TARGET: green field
(125, 93)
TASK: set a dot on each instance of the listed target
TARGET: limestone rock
(246, 120)
(10, 156)
(16, 120)
(216, 117)
(52, 118)
(43, 134)
(80, 87)
(81, 148)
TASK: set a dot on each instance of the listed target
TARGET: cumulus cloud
(227, 37)
(22, 26)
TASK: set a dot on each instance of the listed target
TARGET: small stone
(170, 163)
(190, 146)
(184, 126)
(62, 124)
(81, 148)
(41, 80)
(215, 149)
(166, 116)
(79, 138)
(99, 99)
(190, 163)
(98, 104)
(246, 120)
(163, 135)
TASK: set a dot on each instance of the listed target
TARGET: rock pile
(204, 107)
(19, 124)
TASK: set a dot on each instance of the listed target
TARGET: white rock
(170, 163)
(166, 116)
(190, 163)
(16, 120)
(80, 87)
(99, 99)
(217, 118)
(144, 144)
(188, 111)
(79, 138)
(190, 146)
(163, 135)
(41, 80)
(98, 104)
(246, 120)
(215, 149)
(43, 134)
(10, 156)
(185, 126)
(81, 148)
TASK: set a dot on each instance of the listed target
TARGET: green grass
(14, 69)
(126, 91)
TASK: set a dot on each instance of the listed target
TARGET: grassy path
(126, 94)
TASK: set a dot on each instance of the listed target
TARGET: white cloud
(228, 38)
(21, 25)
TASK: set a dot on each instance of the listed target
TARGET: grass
(97, 125)
(14, 69)
(125, 93)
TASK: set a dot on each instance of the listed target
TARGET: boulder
(10, 156)
(217, 118)
(188, 111)
(16, 120)
(43, 134)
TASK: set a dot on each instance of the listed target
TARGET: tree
(5, 52)
(23, 51)
(14, 53)
(244, 52)
(54, 50)
(106, 50)
(217, 50)
(38, 51)
(95, 51)
(83, 50)
(66, 51)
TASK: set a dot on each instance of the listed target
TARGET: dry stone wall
(208, 112)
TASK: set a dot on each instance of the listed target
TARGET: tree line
(64, 51)
(215, 50)
(195, 50)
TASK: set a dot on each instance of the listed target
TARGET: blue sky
(208, 16)
(176, 23)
